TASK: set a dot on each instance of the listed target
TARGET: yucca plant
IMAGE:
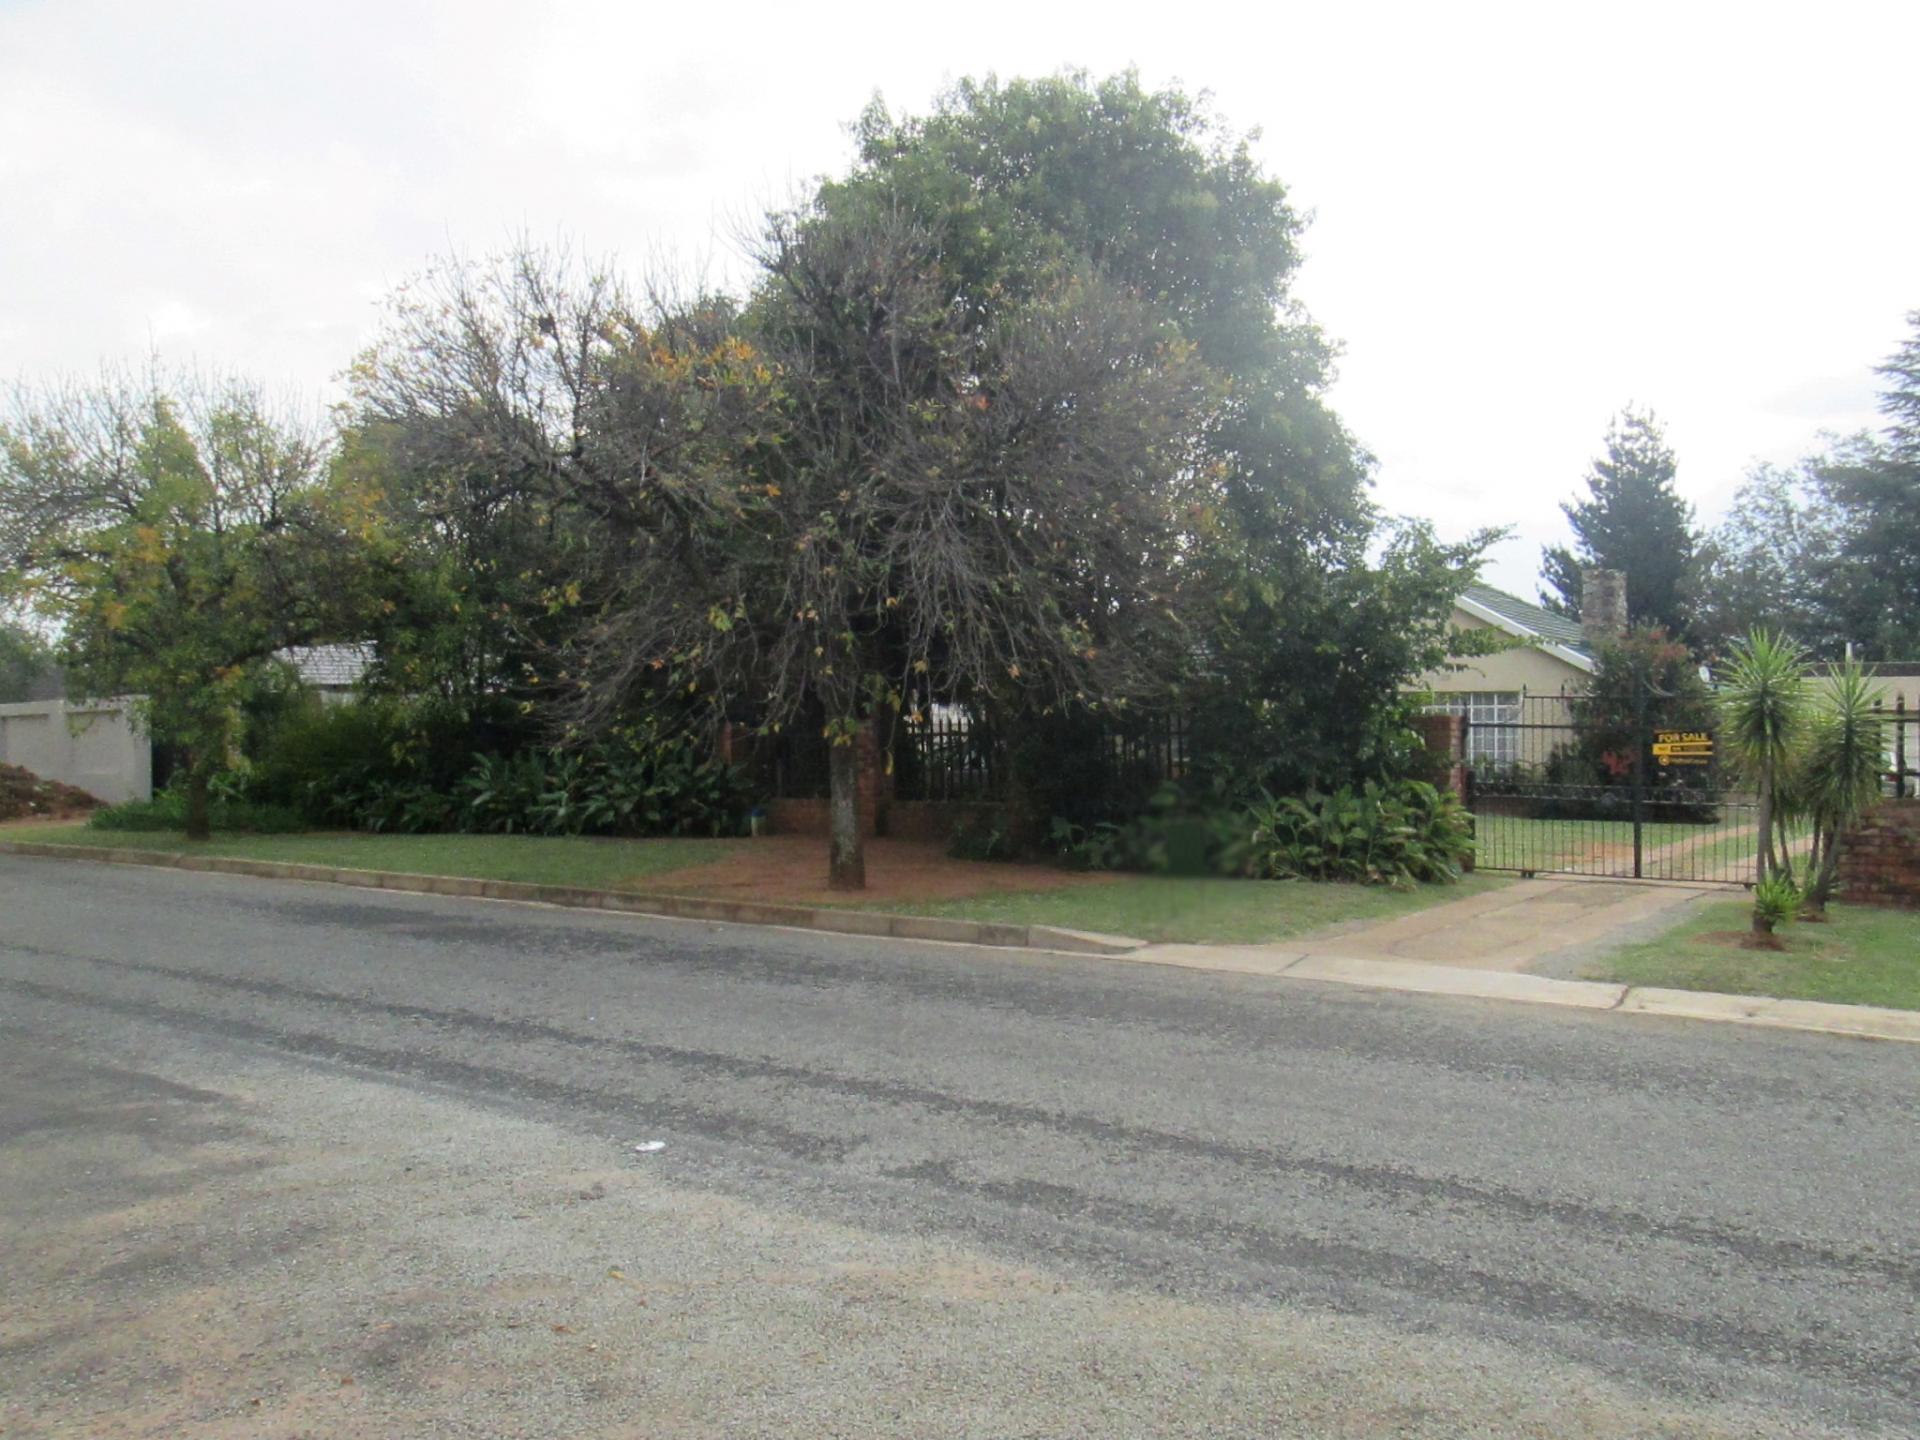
(1838, 771)
(1776, 900)
(1763, 718)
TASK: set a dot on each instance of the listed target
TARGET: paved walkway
(1506, 929)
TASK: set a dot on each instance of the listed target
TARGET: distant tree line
(1827, 549)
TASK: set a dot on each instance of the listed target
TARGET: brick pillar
(876, 784)
(1445, 737)
(1880, 856)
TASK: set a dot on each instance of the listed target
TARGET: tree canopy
(179, 535)
(1828, 549)
(1632, 520)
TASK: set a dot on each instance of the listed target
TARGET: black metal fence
(1900, 727)
(1558, 787)
(950, 754)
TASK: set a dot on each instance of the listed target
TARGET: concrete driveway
(279, 1160)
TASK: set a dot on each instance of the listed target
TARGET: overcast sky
(1524, 217)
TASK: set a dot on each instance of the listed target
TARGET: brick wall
(875, 803)
(1880, 857)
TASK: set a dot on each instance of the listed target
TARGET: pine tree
(1633, 521)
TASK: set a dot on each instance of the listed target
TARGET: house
(330, 671)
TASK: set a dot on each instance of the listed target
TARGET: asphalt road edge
(578, 897)
(1415, 977)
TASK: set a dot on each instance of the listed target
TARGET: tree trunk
(1821, 876)
(199, 821)
(847, 860)
(1763, 859)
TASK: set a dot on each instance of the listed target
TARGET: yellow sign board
(1683, 747)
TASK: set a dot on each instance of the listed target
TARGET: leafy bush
(1173, 837)
(1395, 834)
(1776, 900)
(364, 765)
(227, 811)
(979, 838)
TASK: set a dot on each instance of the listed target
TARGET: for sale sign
(1683, 747)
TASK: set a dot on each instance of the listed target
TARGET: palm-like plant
(1839, 769)
(1763, 716)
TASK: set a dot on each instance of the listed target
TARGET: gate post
(1641, 739)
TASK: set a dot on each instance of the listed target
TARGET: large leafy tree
(1761, 566)
(1158, 195)
(1632, 520)
(1873, 489)
(1312, 620)
(179, 535)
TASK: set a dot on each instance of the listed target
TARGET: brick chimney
(1603, 605)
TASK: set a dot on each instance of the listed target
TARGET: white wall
(91, 744)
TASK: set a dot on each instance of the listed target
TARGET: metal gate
(1556, 787)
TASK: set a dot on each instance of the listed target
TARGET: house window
(1491, 714)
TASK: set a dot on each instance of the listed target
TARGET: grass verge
(1192, 910)
(537, 860)
(1862, 955)
(1203, 910)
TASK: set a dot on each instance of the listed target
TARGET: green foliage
(1377, 834)
(1171, 836)
(1837, 773)
(228, 812)
(1632, 520)
(980, 838)
(1304, 679)
(1762, 704)
(396, 768)
(1776, 901)
(1642, 682)
(1763, 717)
(1829, 548)
(179, 537)
(1398, 833)
(24, 659)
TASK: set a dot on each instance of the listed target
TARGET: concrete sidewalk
(1510, 928)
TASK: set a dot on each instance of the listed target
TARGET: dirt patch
(25, 796)
(792, 869)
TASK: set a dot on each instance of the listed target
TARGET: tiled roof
(329, 666)
(1557, 629)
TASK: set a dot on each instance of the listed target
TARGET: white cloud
(1525, 217)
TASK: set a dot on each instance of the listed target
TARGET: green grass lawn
(1204, 910)
(1862, 955)
(538, 860)
(1200, 910)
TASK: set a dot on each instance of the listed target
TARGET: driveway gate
(1555, 789)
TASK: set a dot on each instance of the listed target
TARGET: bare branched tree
(848, 499)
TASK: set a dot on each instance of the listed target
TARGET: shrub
(168, 811)
(978, 838)
(1173, 836)
(1776, 900)
(1394, 834)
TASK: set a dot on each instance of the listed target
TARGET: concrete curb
(1413, 976)
(675, 907)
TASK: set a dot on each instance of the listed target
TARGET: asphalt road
(290, 1160)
